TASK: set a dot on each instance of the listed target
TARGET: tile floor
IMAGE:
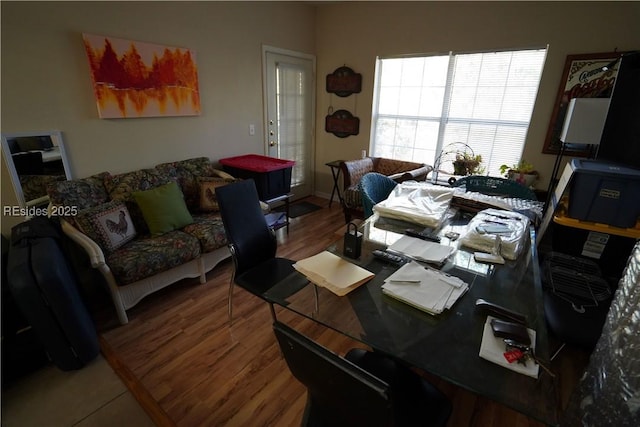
(90, 397)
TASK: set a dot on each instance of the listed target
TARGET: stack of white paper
(422, 250)
(426, 289)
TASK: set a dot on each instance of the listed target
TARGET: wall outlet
(252, 129)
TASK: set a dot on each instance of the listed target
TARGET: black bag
(45, 289)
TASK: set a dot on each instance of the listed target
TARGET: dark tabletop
(445, 345)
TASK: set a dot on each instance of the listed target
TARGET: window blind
(484, 100)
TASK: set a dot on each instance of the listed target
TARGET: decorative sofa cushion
(186, 174)
(121, 187)
(356, 169)
(208, 185)
(79, 193)
(352, 197)
(209, 230)
(109, 225)
(163, 208)
(146, 256)
(224, 175)
(35, 186)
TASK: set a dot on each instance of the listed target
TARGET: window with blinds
(423, 104)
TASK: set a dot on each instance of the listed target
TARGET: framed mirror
(35, 159)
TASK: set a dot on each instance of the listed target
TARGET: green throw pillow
(163, 208)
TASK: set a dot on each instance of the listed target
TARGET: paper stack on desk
(332, 272)
(421, 250)
(424, 288)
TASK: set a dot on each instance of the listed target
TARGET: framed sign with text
(342, 124)
(583, 77)
(344, 81)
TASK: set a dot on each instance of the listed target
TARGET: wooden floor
(188, 367)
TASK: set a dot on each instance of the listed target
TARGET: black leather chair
(252, 243)
(361, 389)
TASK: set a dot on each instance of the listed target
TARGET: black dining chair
(252, 243)
(361, 389)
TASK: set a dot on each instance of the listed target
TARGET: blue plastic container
(605, 193)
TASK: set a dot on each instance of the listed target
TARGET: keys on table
(521, 353)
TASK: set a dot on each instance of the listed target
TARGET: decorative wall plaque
(344, 81)
(342, 124)
(583, 77)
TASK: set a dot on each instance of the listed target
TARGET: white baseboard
(324, 195)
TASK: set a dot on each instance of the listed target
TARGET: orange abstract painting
(135, 79)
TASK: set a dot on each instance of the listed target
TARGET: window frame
(445, 117)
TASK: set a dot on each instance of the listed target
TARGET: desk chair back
(495, 186)
(252, 243)
(375, 188)
(363, 388)
(251, 240)
(339, 393)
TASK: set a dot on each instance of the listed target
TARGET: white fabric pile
(497, 231)
(418, 202)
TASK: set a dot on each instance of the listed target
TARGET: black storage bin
(271, 175)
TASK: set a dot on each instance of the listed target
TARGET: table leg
(286, 209)
(335, 172)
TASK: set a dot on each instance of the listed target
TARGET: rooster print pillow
(208, 200)
(109, 225)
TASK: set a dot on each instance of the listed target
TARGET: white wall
(46, 82)
(355, 33)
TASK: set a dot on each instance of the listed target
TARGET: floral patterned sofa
(146, 229)
(354, 170)
(34, 187)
